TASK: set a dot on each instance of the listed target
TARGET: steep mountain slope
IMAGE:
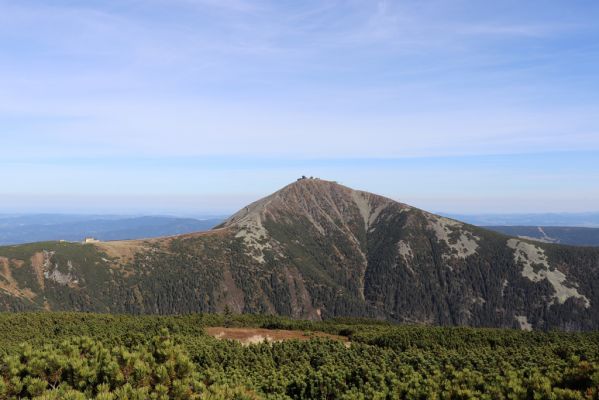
(316, 249)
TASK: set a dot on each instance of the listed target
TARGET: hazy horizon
(202, 206)
(564, 219)
(219, 204)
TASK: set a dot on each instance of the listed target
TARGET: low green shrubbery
(83, 368)
(127, 357)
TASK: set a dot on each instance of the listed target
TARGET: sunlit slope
(317, 249)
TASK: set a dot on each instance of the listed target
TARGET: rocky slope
(316, 249)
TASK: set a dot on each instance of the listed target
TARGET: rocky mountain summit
(316, 249)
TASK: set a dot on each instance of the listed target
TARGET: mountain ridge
(569, 235)
(316, 249)
(21, 229)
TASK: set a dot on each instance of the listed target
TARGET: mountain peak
(317, 249)
(314, 185)
(311, 199)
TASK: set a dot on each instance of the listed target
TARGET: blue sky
(192, 106)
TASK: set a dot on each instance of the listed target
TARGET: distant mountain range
(588, 220)
(316, 249)
(15, 229)
(29, 228)
(553, 234)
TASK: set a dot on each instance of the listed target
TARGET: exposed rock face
(316, 249)
(461, 242)
(523, 321)
(536, 267)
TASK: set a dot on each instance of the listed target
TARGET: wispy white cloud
(509, 30)
(328, 79)
(228, 5)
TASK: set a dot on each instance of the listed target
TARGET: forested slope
(316, 250)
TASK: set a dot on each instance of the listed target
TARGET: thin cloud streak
(304, 80)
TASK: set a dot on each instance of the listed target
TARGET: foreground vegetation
(82, 356)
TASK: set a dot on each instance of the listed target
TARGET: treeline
(81, 356)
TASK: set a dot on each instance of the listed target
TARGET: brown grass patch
(123, 251)
(212, 232)
(38, 261)
(8, 283)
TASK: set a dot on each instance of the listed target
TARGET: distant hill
(316, 249)
(15, 229)
(575, 236)
(587, 220)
